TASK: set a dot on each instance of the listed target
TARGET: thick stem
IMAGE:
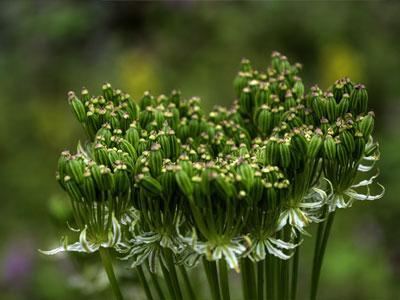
(284, 289)
(295, 270)
(251, 280)
(212, 279)
(107, 263)
(270, 274)
(243, 276)
(157, 286)
(260, 280)
(187, 282)
(320, 257)
(168, 281)
(223, 279)
(143, 282)
(172, 271)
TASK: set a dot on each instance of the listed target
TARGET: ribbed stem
(187, 282)
(143, 282)
(270, 274)
(223, 279)
(244, 278)
(168, 281)
(319, 256)
(285, 268)
(107, 263)
(295, 269)
(172, 272)
(212, 279)
(251, 280)
(156, 285)
(260, 280)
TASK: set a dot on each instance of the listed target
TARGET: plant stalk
(143, 282)
(223, 279)
(319, 256)
(107, 263)
(187, 282)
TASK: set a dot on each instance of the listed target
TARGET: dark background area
(48, 48)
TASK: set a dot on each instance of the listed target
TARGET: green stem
(260, 280)
(107, 263)
(157, 286)
(320, 257)
(187, 282)
(251, 280)
(295, 270)
(285, 268)
(143, 282)
(271, 276)
(212, 279)
(223, 279)
(244, 278)
(172, 271)
(168, 281)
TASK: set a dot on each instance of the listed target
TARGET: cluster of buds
(220, 185)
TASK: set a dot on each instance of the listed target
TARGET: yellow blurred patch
(339, 60)
(137, 73)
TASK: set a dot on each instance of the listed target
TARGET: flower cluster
(163, 178)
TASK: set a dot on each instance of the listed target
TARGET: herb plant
(168, 186)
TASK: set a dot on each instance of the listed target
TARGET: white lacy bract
(335, 200)
(88, 245)
(307, 211)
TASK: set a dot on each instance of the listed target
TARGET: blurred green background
(48, 48)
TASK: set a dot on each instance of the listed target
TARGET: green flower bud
(366, 125)
(256, 191)
(176, 98)
(146, 116)
(239, 83)
(75, 168)
(127, 147)
(315, 146)
(78, 109)
(88, 187)
(247, 174)
(147, 100)
(96, 175)
(184, 183)
(359, 100)
(168, 183)
(342, 154)
(299, 143)
(84, 95)
(298, 89)
(264, 121)
(284, 155)
(245, 102)
(174, 146)
(318, 107)
(359, 146)
(348, 141)
(117, 97)
(262, 96)
(121, 177)
(155, 160)
(271, 152)
(331, 108)
(271, 198)
(132, 108)
(107, 179)
(343, 106)
(330, 148)
(62, 164)
(107, 92)
(132, 136)
(101, 155)
(150, 185)
(72, 189)
(193, 128)
(159, 117)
